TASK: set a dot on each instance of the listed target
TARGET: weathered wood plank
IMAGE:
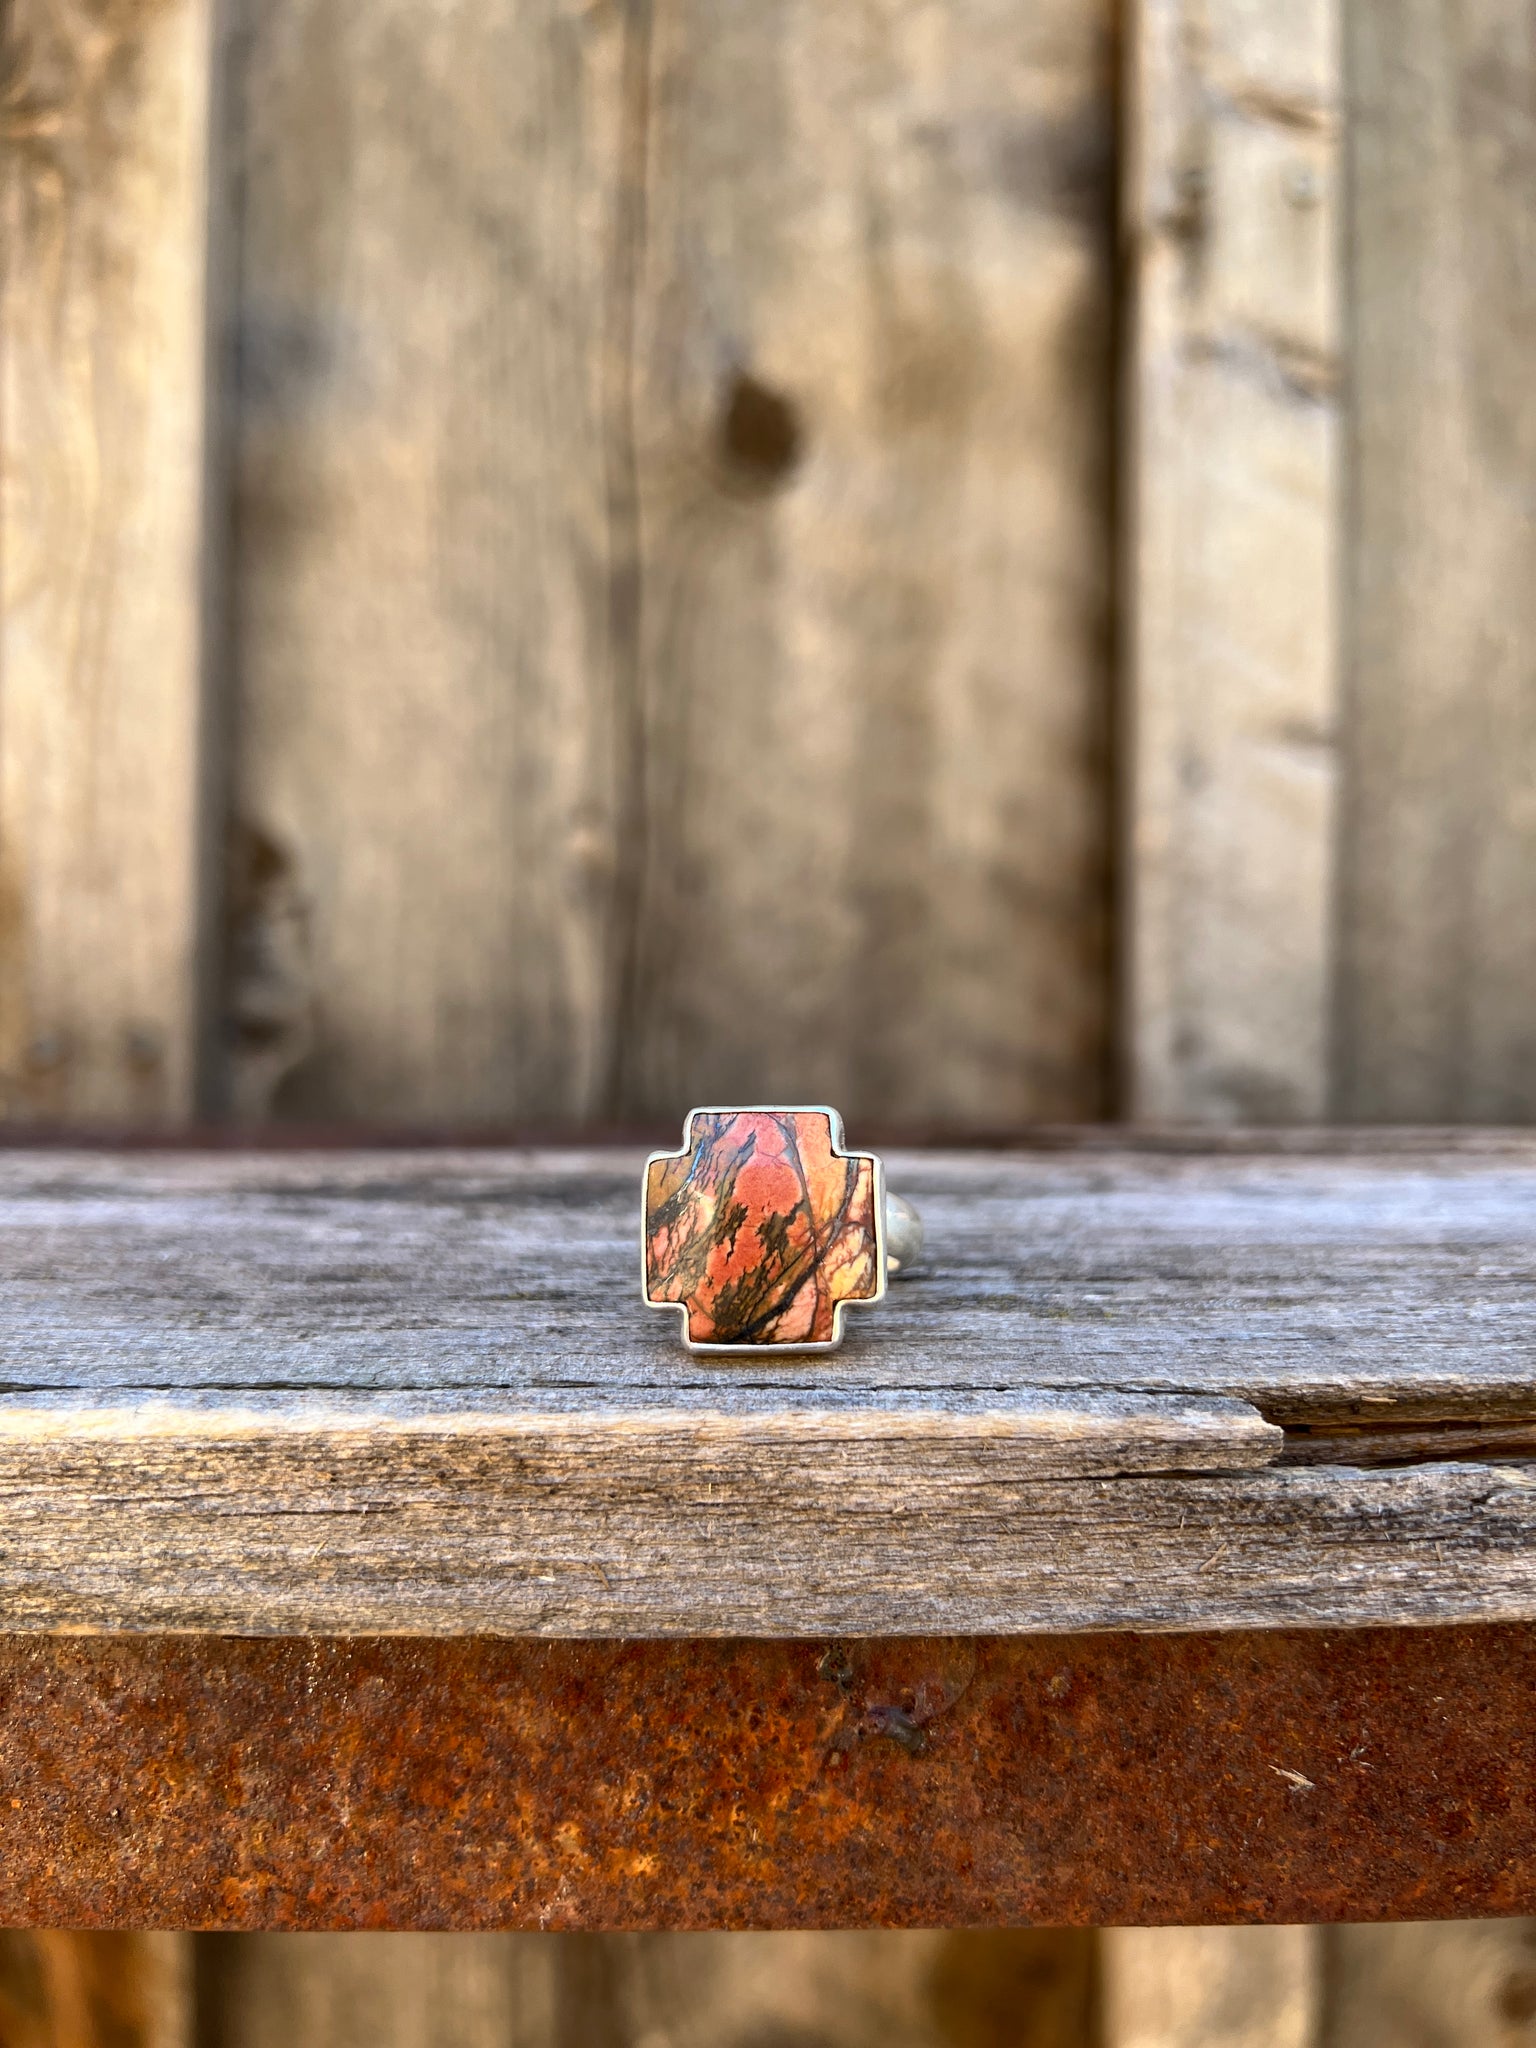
(103, 207)
(1386, 1287)
(336, 1532)
(1430, 1986)
(1027, 1988)
(1439, 946)
(912, 1989)
(378, 1991)
(1232, 201)
(666, 477)
(1044, 1436)
(1212, 1987)
(429, 727)
(872, 414)
(118, 1990)
(418, 1392)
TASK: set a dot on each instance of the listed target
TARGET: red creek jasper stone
(761, 1228)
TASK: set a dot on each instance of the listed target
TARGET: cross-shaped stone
(762, 1227)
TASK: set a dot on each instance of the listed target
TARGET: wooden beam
(1232, 707)
(103, 350)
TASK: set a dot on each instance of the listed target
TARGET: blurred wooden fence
(681, 556)
(976, 562)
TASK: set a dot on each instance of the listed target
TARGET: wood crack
(1408, 1443)
(625, 552)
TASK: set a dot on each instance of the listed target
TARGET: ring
(763, 1229)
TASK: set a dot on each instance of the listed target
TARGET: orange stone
(762, 1228)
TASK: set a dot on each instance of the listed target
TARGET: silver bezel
(839, 1151)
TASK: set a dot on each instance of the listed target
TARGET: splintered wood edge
(349, 1540)
(1101, 1434)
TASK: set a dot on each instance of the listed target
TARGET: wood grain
(377, 1991)
(1393, 1287)
(117, 1990)
(428, 730)
(876, 1989)
(671, 598)
(103, 199)
(1232, 200)
(872, 419)
(1431, 1985)
(1438, 954)
(338, 1532)
(1211, 1987)
(417, 1392)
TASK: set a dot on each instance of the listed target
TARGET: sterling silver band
(903, 1236)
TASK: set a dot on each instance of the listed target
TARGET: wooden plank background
(1231, 638)
(656, 640)
(643, 501)
(103, 538)
(1437, 985)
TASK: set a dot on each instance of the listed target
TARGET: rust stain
(207, 1782)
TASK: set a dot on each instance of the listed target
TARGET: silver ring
(764, 1228)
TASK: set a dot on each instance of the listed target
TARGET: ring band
(763, 1228)
(903, 1236)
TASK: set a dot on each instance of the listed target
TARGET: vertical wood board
(103, 206)
(873, 384)
(1438, 1985)
(376, 1991)
(1437, 1013)
(1029, 1989)
(671, 597)
(62, 1990)
(1232, 203)
(1210, 1987)
(426, 730)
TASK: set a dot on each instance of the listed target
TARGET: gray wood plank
(341, 1532)
(1438, 944)
(426, 720)
(1390, 1285)
(672, 443)
(419, 1392)
(871, 417)
(1232, 199)
(104, 199)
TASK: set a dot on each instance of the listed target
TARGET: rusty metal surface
(1099, 1779)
